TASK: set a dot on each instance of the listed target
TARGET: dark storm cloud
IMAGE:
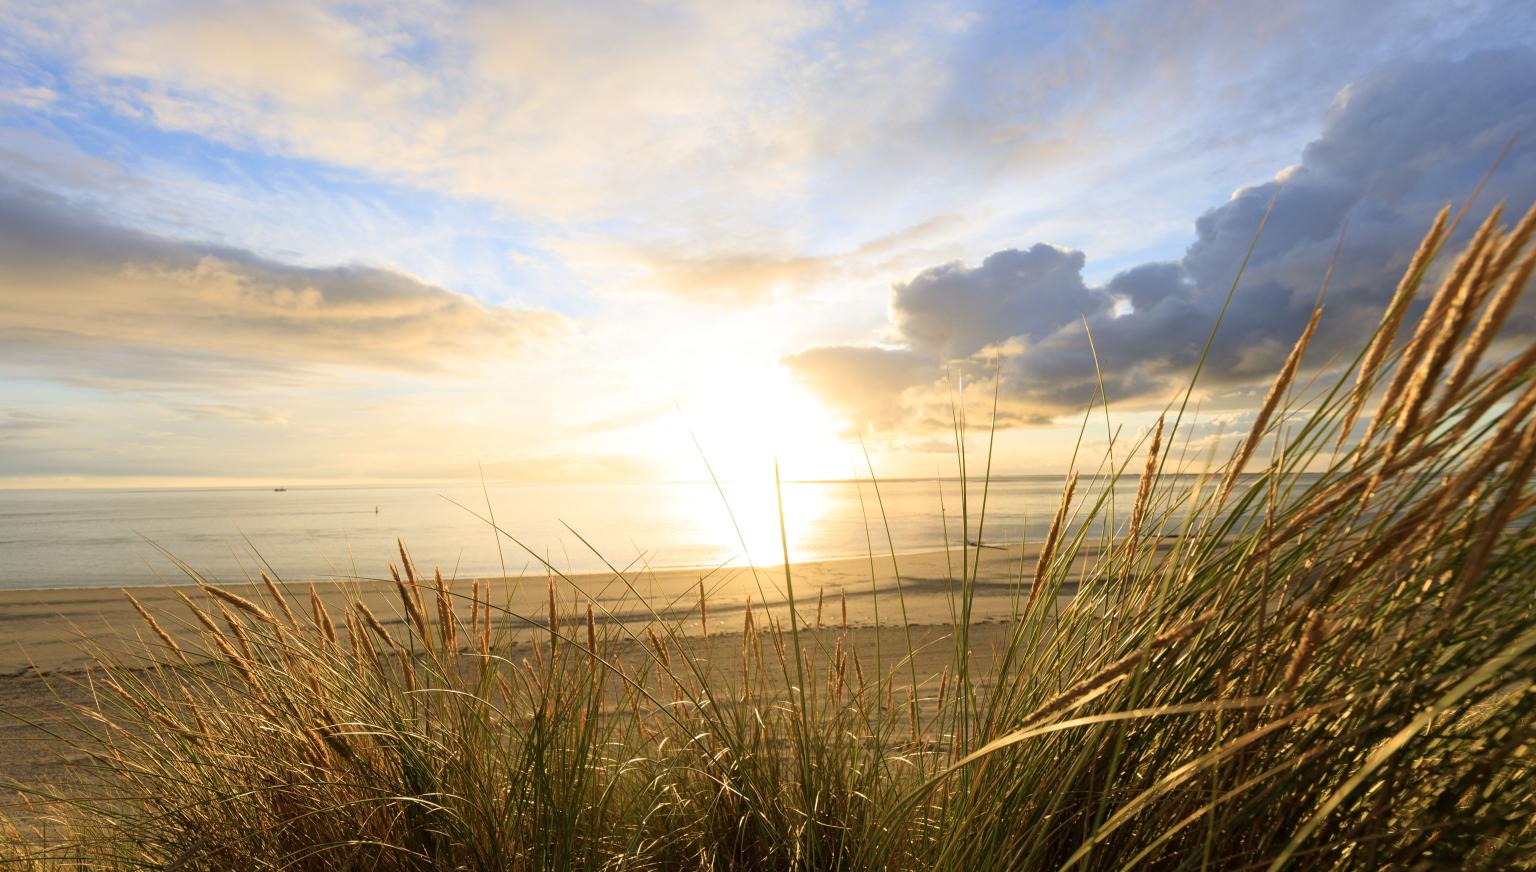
(90, 302)
(1393, 149)
(954, 311)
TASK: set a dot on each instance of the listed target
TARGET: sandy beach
(47, 632)
(50, 634)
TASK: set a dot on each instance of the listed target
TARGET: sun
(751, 418)
(720, 381)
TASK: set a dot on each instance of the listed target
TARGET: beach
(50, 635)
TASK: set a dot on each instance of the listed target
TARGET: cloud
(1393, 148)
(16, 422)
(722, 277)
(866, 382)
(229, 412)
(554, 109)
(91, 302)
(743, 274)
(731, 277)
(955, 311)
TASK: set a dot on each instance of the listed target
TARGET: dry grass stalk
(322, 617)
(532, 680)
(1494, 316)
(412, 606)
(446, 620)
(1052, 537)
(228, 650)
(840, 658)
(405, 563)
(858, 672)
(1391, 322)
(1494, 388)
(1429, 325)
(776, 636)
(1416, 528)
(831, 677)
(747, 635)
(1438, 351)
(135, 702)
(1432, 347)
(355, 632)
(1463, 488)
(1277, 392)
(485, 624)
(366, 644)
(474, 608)
(660, 648)
(280, 599)
(1114, 671)
(373, 623)
(1517, 239)
(591, 634)
(154, 626)
(538, 655)
(1306, 648)
(407, 670)
(1144, 486)
(237, 631)
(1498, 448)
(943, 689)
(1483, 241)
(201, 616)
(1492, 527)
(336, 742)
(554, 619)
(413, 587)
(241, 604)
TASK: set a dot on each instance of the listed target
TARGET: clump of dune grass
(1319, 653)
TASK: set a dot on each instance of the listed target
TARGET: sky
(313, 242)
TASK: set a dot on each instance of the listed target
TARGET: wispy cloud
(229, 412)
(15, 422)
(89, 300)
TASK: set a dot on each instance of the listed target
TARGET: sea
(128, 537)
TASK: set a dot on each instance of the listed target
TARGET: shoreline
(46, 629)
(10, 586)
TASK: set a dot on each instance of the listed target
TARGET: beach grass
(1314, 651)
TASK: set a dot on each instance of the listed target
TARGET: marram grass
(1321, 654)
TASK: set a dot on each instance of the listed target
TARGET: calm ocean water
(54, 538)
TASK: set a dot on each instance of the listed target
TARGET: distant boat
(279, 489)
